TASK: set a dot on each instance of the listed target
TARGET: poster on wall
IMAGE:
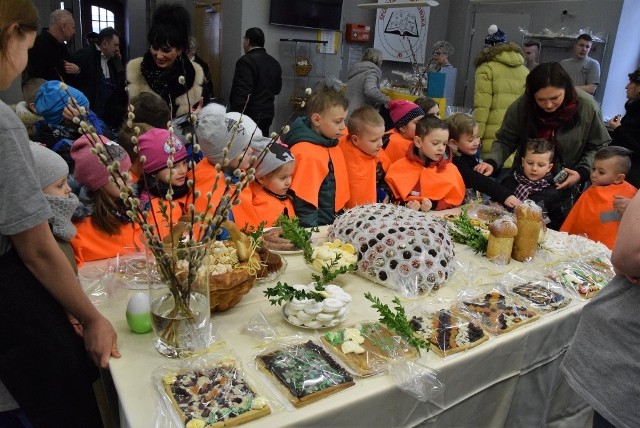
(401, 33)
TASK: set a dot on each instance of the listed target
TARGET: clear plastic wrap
(496, 310)
(367, 348)
(303, 371)
(400, 248)
(313, 314)
(541, 294)
(419, 381)
(213, 389)
(578, 277)
(447, 332)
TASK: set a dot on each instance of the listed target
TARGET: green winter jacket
(500, 80)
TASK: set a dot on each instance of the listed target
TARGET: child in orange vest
(405, 115)
(268, 197)
(426, 178)
(593, 215)
(320, 179)
(108, 230)
(158, 146)
(366, 162)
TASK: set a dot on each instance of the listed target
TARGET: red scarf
(548, 123)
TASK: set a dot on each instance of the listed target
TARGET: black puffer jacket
(628, 135)
(257, 74)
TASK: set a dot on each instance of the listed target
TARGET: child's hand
(573, 178)
(512, 202)
(426, 205)
(620, 203)
(70, 112)
(484, 168)
(414, 205)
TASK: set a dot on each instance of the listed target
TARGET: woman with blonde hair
(363, 86)
(43, 363)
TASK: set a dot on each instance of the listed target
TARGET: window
(101, 18)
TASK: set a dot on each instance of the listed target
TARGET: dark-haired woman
(160, 69)
(553, 109)
(626, 130)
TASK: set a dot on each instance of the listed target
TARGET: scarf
(63, 209)
(526, 187)
(548, 123)
(158, 189)
(165, 81)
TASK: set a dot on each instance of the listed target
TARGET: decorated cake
(216, 396)
(304, 372)
(400, 248)
(447, 332)
(367, 348)
(499, 312)
(540, 296)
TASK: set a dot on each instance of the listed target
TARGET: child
(26, 109)
(366, 162)
(52, 172)
(320, 180)
(465, 139)
(405, 115)
(219, 132)
(268, 196)
(429, 106)
(157, 145)
(593, 215)
(56, 129)
(108, 230)
(535, 180)
(425, 178)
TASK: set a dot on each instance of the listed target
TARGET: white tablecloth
(510, 380)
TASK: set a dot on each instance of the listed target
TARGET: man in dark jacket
(49, 58)
(258, 76)
(101, 77)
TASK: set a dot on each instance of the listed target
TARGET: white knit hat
(277, 155)
(216, 128)
(49, 165)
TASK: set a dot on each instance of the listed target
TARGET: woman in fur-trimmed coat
(500, 80)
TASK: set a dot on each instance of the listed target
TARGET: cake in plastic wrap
(400, 248)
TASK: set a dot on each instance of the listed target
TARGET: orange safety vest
(175, 213)
(91, 243)
(442, 183)
(312, 167)
(257, 205)
(361, 169)
(205, 177)
(397, 146)
(584, 217)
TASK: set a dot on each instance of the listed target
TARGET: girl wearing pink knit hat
(404, 114)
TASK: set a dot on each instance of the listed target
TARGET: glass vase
(180, 308)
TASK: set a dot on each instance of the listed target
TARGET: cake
(448, 333)
(500, 242)
(367, 348)
(304, 372)
(498, 312)
(529, 222)
(218, 396)
(270, 262)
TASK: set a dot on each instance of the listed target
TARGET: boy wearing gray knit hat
(52, 171)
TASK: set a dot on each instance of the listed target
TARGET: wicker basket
(303, 69)
(226, 290)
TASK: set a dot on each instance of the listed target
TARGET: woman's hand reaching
(572, 179)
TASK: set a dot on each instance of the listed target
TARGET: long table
(510, 380)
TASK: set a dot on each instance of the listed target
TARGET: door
(207, 33)
(509, 23)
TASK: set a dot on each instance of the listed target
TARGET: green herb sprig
(255, 233)
(466, 233)
(397, 321)
(283, 292)
(298, 235)
(331, 272)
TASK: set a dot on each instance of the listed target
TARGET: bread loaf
(529, 222)
(500, 243)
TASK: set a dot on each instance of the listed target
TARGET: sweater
(481, 183)
(363, 86)
(499, 81)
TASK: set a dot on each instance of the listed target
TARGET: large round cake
(400, 248)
